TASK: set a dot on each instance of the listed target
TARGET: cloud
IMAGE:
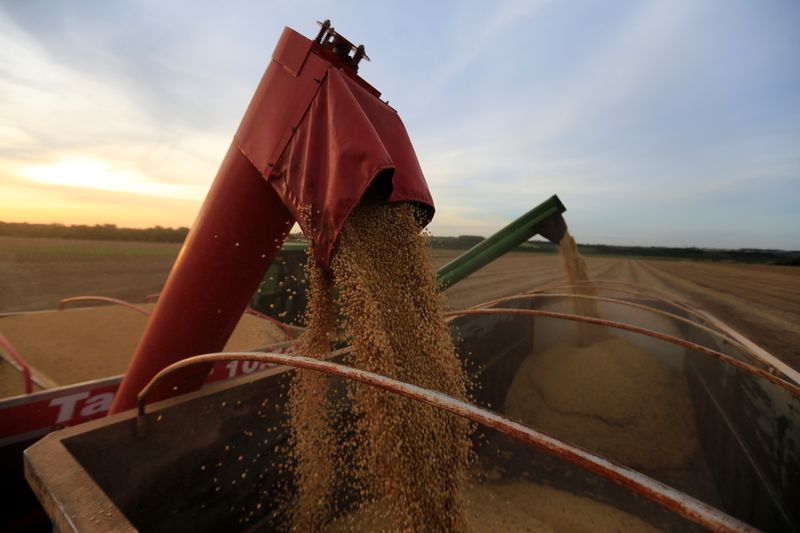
(87, 173)
(629, 111)
(68, 129)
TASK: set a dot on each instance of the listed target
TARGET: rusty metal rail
(641, 290)
(663, 495)
(793, 389)
(18, 362)
(634, 305)
(106, 299)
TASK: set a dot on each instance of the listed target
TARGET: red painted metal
(21, 363)
(663, 495)
(321, 136)
(33, 415)
(238, 232)
(793, 389)
(314, 138)
(117, 301)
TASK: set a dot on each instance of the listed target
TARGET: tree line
(690, 253)
(110, 232)
(100, 232)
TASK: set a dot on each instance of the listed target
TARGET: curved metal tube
(793, 389)
(626, 303)
(648, 293)
(663, 495)
(108, 299)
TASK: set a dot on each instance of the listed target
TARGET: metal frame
(790, 387)
(663, 495)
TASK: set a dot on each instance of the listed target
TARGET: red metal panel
(238, 232)
(346, 140)
(33, 415)
(277, 107)
(321, 136)
(291, 51)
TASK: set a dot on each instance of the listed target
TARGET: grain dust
(311, 411)
(410, 457)
(578, 277)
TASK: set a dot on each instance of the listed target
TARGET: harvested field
(761, 301)
(37, 273)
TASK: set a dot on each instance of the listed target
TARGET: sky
(657, 122)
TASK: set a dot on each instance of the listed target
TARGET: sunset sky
(673, 122)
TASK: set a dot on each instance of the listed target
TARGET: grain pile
(521, 506)
(605, 394)
(610, 397)
(410, 457)
(518, 507)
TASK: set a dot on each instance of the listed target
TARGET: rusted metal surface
(18, 362)
(665, 496)
(106, 299)
(793, 389)
(727, 338)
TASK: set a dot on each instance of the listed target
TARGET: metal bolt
(322, 30)
(359, 55)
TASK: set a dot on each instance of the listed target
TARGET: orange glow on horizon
(89, 191)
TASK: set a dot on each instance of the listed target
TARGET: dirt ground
(760, 301)
(37, 273)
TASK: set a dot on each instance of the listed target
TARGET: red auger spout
(313, 139)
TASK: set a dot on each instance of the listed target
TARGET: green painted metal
(480, 255)
(505, 240)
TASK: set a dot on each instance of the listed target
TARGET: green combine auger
(545, 219)
(286, 301)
